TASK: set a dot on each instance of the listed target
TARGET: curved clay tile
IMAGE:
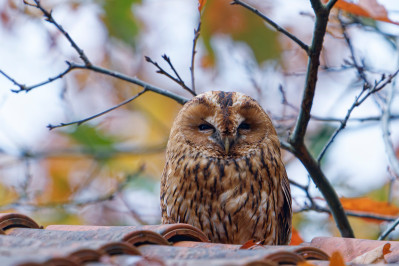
(119, 248)
(306, 252)
(12, 220)
(188, 253)
(171, 232)
(108, 233)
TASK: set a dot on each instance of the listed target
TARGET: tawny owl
(224, 172)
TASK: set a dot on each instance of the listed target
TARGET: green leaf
(120, 20)
(94, 141)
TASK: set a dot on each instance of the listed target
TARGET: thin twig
(390, 228)
(49, 17)
(386, 133)
(79, 122)
(193, 53)
(379, 85)
(360, 69)
(273, 24)
(162, 71)
(76, 203)
(149, 87)
(341, 127)
(132, 212)
(306, 190)
(350, 213)
(352, 119)
(24, 88)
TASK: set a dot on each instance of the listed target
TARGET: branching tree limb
(296, 139)
(162, 71)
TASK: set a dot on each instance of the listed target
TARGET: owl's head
(223, 124)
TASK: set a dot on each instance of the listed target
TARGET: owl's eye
(204, 127)
(244, 126)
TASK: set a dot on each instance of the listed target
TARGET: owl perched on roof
(224, 173)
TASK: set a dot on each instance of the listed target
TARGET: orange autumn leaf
(248, 244)
(365, 8)
(296, 239)
(386, 249)
(201, 4)
(336, 259)
(364, 204)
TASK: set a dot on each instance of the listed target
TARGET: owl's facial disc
(223, 124)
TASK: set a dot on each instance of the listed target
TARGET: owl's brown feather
(224, 172)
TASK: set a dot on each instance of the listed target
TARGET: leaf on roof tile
(376, 255)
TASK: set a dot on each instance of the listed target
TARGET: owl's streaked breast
(230, 200)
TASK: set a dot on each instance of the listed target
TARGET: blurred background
(107, 171)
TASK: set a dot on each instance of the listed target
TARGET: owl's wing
(285, 215)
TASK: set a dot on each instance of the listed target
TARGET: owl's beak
(227, 141)
(226, 145)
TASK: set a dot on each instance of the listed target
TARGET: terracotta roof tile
(24, 242)
(352, 248)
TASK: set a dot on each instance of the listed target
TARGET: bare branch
(76, 203)
(22, 86)
(193, 53)
(273, 24)
(49, 80)
(353, 119)
(360, 69)
(393, 161)
(351, 213)
(149, 87)
(390, 228)
(49, 17)
(379, 85)
(341, 127)
(79, 122)
(311, 76)
(176, 79)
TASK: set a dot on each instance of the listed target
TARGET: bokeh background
(107, 171)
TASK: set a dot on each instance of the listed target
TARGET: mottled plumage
(224, 172)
